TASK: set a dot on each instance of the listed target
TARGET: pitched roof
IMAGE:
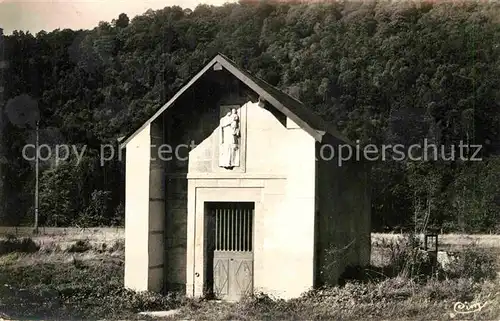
(289, 106)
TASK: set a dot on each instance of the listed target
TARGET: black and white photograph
(250, 160)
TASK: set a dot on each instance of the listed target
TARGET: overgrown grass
(408, 287)
(12, 244)
(79, 288)
(84, 280)
(473, 262)
(406, 258)
(80, 246)
(392, 299)
(81, 280)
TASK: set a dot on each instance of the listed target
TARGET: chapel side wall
(176, 232)
(343, 226)
(365, 213)
(136, 212)
(156, 248)
(280, 162)
(144, 211)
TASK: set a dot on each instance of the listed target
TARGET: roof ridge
(328, 125)
(248, 71)
(293, 108)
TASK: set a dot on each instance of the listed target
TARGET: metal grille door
(233, 251)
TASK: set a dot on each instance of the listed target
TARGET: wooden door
(233, 250)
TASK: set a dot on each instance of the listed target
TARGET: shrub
(408, 259)
(333, 258)
(460, 289)
(397, 288)
(118, 218)
(83, 297)
(150, 301)
(475, 263)
(97, 213)
(118, 245)
(13, 244)
(79, 246)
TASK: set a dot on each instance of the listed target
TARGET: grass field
(79, 275)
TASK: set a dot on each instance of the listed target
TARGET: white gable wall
(279, 175)
(144, 213)
(136, 209)
(291, 124)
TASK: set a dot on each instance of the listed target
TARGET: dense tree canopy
(382, 72)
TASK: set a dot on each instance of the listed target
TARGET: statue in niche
(229, 148)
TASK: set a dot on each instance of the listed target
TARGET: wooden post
(432, 252)
(36, 178)
(3, 66)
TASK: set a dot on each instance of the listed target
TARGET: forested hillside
(384, 73)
